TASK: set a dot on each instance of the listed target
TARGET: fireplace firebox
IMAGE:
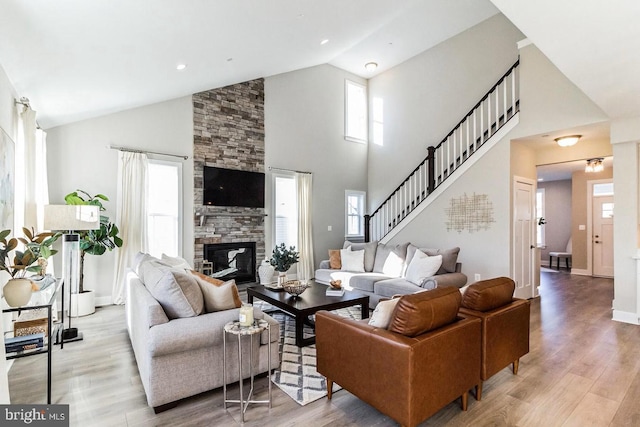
(232, 261)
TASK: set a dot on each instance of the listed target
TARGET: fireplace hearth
(232, 261)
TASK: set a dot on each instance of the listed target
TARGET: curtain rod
(271, 168)
(136, 150)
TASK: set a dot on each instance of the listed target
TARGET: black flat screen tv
(230, 187)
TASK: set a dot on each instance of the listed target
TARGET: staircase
(486, 118)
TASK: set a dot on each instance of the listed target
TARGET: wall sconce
(594, 165)
(568, 141)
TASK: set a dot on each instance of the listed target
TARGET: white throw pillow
(422, 266)
(352, 260)
(217, 295)
(176, 262)
(381, 316)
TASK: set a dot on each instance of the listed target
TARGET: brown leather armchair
(428, 357)
(505, 324)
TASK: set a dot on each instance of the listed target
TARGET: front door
(524, 238)
(603, 236)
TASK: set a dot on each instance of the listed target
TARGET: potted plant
(282, 259)
(92, 242)
(17, 263)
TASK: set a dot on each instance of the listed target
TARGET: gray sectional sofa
(181, 357)
(385, 266)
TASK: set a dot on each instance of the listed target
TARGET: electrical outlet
(477, 277)
(329, 228)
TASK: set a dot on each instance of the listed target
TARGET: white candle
(246, 315)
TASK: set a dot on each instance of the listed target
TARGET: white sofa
(385, 266)
(182, 357)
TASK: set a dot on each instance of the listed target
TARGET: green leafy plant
(282, 258)
(94, 242)
(37, 246)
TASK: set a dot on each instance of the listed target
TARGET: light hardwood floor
(583, 369)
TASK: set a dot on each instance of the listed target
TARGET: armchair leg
(465, 400)
(329, 388)
(479, 391)
(516, 365)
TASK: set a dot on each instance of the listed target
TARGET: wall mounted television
(231, 187)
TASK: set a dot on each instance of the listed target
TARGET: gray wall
(304, 130)
(557, 206)
(426, 96)
(78, 157)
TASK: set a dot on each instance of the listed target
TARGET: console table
(51, 331)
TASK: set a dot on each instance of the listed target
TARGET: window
(355, 112)
(604, 189)
(540, 238)
(286, 210)
(164, 204)
(354, 208)
(378, 121)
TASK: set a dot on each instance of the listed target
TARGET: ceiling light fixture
(594, 165)
(325, 41)
(568, 141)
(181, 67)
(371, 66)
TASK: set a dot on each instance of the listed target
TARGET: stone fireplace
(228, 132)
(232, 261)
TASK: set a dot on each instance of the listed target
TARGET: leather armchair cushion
(487, 295)
(422, 312)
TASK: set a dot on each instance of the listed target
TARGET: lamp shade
(71, 217)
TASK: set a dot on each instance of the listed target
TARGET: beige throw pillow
(218, 295)
(334, 259)
(381, 316)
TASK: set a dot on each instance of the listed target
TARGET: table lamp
(69, 219)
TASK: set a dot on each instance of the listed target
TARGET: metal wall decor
(471, 213)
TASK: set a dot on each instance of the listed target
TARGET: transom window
(355, 112)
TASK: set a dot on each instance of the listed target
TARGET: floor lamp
(70, 219)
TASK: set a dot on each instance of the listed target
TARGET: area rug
(297, 375)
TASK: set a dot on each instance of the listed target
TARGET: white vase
(82, 304)
(17, 292)
(265, 271)
(282, 277)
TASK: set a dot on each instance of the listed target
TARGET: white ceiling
(595, 43)
(76, 59)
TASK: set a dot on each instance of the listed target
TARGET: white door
(524, 238)
(603, 236)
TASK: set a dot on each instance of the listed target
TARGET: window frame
(274, 195)
(365, 126)
(362, 195)
(180, 223)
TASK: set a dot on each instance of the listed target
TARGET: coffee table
(308, 303)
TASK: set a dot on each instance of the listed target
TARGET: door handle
(597, 241)
(532, 247)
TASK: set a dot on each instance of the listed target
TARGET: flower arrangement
(37, 249)
(282, 258)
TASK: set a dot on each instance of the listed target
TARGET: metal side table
(234, 328)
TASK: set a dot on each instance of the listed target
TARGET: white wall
(78, 158)
(304, 130)
(426, 96)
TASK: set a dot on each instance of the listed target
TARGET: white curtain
(305, 230)
(131, 218)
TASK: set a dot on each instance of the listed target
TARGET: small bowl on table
(294, 287)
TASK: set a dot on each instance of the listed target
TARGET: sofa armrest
(325, 264)
(447, 279)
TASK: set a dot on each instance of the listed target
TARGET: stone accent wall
(228, 132)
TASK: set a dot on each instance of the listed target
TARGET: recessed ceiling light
(371, 66)
(181, 67)
(325, 41)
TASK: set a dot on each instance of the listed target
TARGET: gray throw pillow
(176, 290)
(369, 252)
(449, 257)
(390, 259)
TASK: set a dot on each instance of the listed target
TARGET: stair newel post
(431, 160)
(367, 232)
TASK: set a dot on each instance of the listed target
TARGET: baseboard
(580, 272)
(625, 317)
(102, 301)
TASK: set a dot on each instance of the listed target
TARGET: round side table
(234, 328)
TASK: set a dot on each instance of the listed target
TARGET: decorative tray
(274, 287)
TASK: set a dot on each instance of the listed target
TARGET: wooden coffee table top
(311, 300)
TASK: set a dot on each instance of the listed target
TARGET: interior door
(603, 236)
(524, 238)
